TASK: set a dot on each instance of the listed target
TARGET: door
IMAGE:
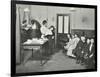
(63, 25)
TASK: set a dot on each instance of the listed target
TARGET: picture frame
(13, 36)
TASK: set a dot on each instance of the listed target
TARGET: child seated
(71, 45)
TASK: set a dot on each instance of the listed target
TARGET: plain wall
(84, 19)
(81, 18)
(17, 37)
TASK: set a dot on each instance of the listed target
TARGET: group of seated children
(81, 48)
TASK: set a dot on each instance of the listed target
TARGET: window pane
(66, 24)
(60, 24)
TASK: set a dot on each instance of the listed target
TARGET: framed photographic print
(52, 38)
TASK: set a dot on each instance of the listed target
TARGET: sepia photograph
(53, 37)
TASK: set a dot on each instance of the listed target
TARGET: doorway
(63, 26)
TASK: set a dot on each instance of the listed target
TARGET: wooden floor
(57, 62)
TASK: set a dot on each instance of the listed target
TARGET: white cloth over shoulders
(45, 31)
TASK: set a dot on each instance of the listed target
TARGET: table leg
(32, 52)
(41, 56)
(21, 55)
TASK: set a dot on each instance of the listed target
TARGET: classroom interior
(65, 20)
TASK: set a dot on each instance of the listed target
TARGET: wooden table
(34, 47)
